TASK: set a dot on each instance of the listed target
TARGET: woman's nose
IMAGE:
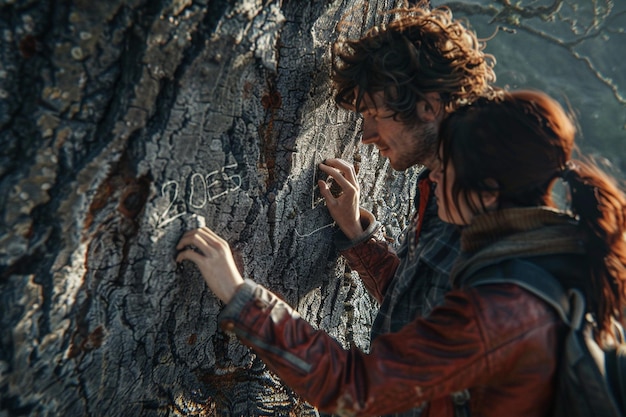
(370, 130)
(435, 174)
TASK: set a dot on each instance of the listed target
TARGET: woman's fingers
(216, 246)
(212, 238)
(213, 257)
(190, 255)
(202, 238)
(205, 241)
(188, 239)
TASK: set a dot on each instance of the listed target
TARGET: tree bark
(125, 123)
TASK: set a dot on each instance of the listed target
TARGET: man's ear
(431, 109)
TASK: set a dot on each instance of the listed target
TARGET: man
(403, 79)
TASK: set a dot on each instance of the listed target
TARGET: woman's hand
(213, 257)
(343, 208)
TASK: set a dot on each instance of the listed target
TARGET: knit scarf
(514, 233)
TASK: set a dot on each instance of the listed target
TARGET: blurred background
(572, 49)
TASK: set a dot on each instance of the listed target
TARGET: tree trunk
(125, 124)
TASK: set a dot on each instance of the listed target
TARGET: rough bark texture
(125, 123)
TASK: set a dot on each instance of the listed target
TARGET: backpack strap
(569, 305)
(616, 373)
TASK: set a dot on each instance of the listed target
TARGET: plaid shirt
(422, 276)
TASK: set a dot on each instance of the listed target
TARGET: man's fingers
(340, 164)
(325, 191)
(344, 166)
(339, 169)
(340, 178)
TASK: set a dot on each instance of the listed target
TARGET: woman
(498, 162)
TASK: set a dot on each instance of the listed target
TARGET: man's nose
(370, 131)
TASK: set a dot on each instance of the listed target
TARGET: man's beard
(423, 147)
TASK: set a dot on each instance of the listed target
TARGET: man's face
(404, 145)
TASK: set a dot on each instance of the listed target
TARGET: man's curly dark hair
(418, 52)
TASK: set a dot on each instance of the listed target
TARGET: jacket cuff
(369, 224)
(232, 311)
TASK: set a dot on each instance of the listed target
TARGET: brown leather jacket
(499, 341)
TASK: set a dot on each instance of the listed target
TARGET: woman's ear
(490, 198)
(431, 109)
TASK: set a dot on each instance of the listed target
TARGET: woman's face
(460, 213)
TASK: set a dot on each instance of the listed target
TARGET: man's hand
(344, 208)
(213, 257)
